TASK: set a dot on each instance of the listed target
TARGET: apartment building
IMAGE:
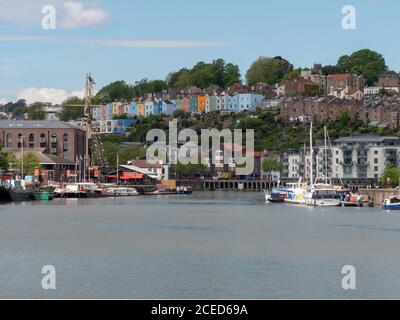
(358, 160)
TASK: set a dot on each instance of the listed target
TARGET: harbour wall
(227, 185)
(379, 195)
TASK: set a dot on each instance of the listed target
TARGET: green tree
(72, 109)
(231, 75)
(115, 91)
(365, 62)
(269, 70)
(6, 159)
(203, 75)
(30, 163)
(36, 111)
(292, 74)
(271, 164)
(343, 64)
(391, 177)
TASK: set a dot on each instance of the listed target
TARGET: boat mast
(22, 156)
(311, 156)
(87, 120)
(326, 157)
(117, 169)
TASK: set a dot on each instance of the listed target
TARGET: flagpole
(117, 168)
(75, 166)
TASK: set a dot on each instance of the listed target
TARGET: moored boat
(322, 195)
(120, 192)
(44, 194)
(392, 203)
(184, 190)
(14, 189)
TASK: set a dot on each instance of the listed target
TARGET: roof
(35, 124)
(365, 138)
(139, 170)
(43, 158)
(144, 164)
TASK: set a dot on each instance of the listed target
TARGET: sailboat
(321, 193)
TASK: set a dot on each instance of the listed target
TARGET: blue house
(123, 125)
(233, 103)
(249, 101)
(168, 107)
(193, 105)
(132, 111)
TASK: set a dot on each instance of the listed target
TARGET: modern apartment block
(356, 160)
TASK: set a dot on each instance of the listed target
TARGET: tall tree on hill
(72, 109)
(203, 75)
(269, 70)
(365, 62)
(36, 111)
(115, 91)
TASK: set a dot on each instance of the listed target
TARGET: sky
(135, 39)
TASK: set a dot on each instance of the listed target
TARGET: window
(376, 152)
(9, 140)
(19, 140)
(376, 161)
(31, 140)
(54, 143)
(376, 169)
(43, 140)
(65, 146)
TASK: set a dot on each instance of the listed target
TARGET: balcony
(391, 155)
(363, 163)
(362, 147)
(347, 147)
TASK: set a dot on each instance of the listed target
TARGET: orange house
(201, 103)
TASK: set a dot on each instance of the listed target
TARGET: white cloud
(3, 101)
(77, 16)
(52, 95)
(129, 43)
(70, 14)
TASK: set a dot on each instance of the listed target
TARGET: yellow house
(115, 108)
(201, 103)
(140, 109)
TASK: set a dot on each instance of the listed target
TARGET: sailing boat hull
(323, 202)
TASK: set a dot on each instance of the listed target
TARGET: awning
(131, 176)
(127, 176)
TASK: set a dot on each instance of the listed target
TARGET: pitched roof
(42, 157)
(35, 124)
(144, 164)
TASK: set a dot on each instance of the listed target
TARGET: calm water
(209, 245)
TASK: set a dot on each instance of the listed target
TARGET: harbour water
(208, 245)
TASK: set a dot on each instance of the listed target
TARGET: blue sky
(104, 41)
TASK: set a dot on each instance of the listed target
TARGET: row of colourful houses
(194, 104)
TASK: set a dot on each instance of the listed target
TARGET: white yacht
(296, 193)
(322, 195)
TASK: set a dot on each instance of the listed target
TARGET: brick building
(56, 144)
(318, 109)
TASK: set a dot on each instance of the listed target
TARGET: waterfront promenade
(233, 185)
